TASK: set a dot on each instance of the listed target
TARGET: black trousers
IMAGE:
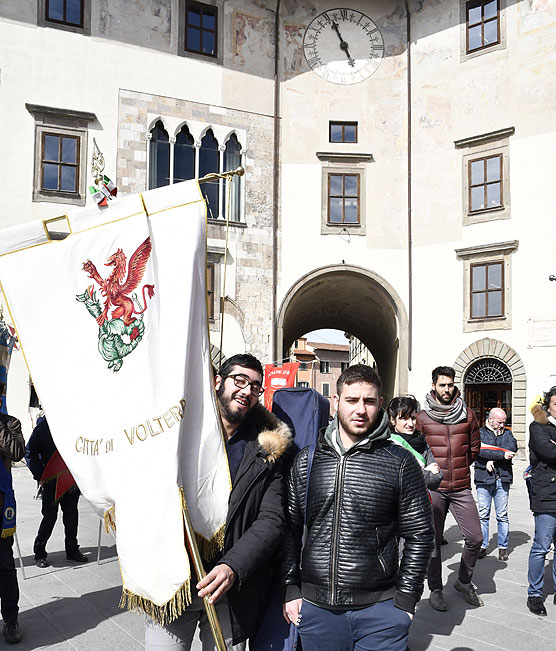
(9, 590)
(68, 503)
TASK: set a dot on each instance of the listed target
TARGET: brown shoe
(503, 555)
(469, 593)
(11, 632)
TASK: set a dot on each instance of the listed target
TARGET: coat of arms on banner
(120, 331)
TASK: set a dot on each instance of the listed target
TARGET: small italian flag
(103, 191)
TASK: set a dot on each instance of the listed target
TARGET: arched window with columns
(209, 161)
(232, 160)
(184, 156)
(178, 151)
(159, 156)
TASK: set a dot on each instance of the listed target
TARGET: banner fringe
(110, 520)
(163, 614)
(6, 533)
(207, 548)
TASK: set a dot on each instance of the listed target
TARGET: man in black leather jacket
(346, 589)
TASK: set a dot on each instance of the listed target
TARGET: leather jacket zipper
(335, 526)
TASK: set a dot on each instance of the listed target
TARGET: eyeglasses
(241, 381)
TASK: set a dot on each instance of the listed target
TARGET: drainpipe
(276, 185)
(409, 205)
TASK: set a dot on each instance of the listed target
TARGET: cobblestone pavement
(71, 606)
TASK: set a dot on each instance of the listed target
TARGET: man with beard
(238, 579)
(356, 494)
(452, 432)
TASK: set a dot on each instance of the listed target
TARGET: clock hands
(343, 44)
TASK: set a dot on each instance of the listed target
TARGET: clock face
(343, 46)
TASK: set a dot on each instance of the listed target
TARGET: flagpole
(213, 177)
(189, 532)
(200, 571)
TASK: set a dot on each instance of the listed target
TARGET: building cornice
(484, 137)
(481, 249)
(346, 157)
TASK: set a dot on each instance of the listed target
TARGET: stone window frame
(64, 123)
(496, 252)
(324, 366)
(486, 145)
(198, 129)
(207, 58)
(501, 45)
(344, 163)
(85, 29)
(327, 393)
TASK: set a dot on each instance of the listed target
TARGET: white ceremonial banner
(113, 325)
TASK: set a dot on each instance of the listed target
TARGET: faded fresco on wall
(535, 14)
(293, 48)
(253, 38)
(130, 21)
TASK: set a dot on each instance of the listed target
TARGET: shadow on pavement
(428, 622)
(66, 618)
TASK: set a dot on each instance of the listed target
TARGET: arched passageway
(355, 300)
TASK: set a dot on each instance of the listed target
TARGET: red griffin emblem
(119, 330)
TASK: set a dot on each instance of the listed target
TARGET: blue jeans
(499, 493)
(380, 627)
(545, 531)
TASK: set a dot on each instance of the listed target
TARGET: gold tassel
(110, 520)
(207, 548)
(163, 614)
(6, 533)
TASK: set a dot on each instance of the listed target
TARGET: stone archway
(355, 300)
(485, 348)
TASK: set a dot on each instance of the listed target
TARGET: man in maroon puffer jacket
(452, 432)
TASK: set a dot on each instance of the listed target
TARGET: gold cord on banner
(213, 177)
(190, 538)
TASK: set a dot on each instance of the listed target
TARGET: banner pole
(200, 571)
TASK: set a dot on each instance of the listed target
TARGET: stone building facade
(361, 206)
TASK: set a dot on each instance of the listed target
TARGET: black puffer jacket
(359, 505)
(542, 448)
(256, 520)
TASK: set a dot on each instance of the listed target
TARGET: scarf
(8, 513)
(398, 439)
(552, 420)
(450, 414)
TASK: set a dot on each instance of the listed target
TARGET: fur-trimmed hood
(539, 414)
(274, 436)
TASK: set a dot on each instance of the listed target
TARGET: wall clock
(343, 46)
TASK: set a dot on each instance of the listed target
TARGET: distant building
(304, 354)
(331, 360)
(359, 353)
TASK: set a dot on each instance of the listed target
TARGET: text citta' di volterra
(136, 433)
